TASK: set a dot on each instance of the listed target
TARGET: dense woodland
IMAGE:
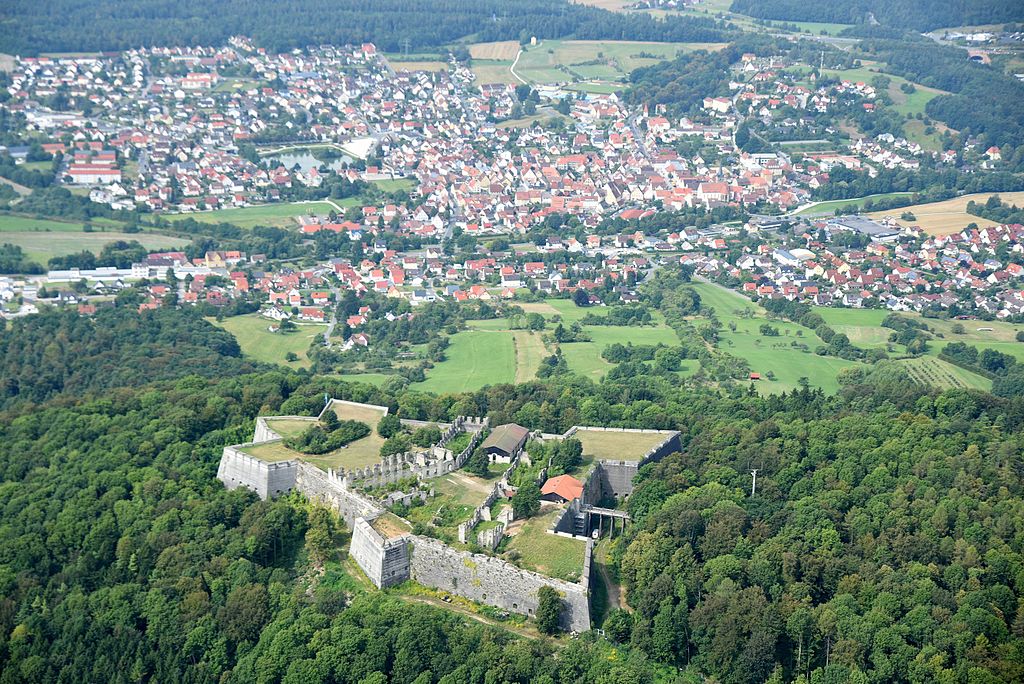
(920, 15)
(883, 543)
(73, 25)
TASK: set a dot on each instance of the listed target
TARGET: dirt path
(529, 633)
(469, 482)
(616, 594)
(530, 351)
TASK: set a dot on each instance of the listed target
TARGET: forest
(91, 25)
(920, 15)
(882, 544)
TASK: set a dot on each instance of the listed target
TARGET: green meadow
(782, 355)
(282, 215)
(257, 342)
(43, 239)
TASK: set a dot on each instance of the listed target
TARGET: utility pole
(753, 485)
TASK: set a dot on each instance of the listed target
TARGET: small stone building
(505, 442)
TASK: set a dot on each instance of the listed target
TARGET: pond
(307, 161)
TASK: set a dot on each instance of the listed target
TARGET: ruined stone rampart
(238, 469)
(329, 490)
(496, 582)
(385, 561)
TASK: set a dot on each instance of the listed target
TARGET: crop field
(563, 61)
(474, 359)
(282, 215)
(417, 65)
(257, 342)
(493, 72)
(948, 216)
(622, 446)
(503, 50)
(778, 355)
(549, 554)
(928, 370)
(43, 239)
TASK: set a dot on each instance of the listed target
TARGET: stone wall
(616, 477)
(238, 469)
(496, 582)
(329, 490)
(385, 561)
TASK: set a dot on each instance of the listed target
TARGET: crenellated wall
(328, 489)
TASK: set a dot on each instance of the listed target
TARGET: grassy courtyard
(358, 454)
(620, 446)
(550, 554)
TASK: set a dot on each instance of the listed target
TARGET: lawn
(776, 354)
(43, 239)
(949, 216)
(282, 215)
(358, 454)
(288, 427)
(475, 358)
(829, 208)
(550, 554)
(619, 446)
(257, 342)
(585, 357)
(395, 184)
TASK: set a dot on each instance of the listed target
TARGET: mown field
(949, 216)
(600, 61)
(282, 215)
(43, 239)
(829, 208)
(257, 342)
(475, 358)
(778, 355)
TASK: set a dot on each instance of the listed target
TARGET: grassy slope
(257, 342)
(474, 359)
(774, 354)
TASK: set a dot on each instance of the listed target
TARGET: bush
(327, 436)
(526, 501)
(549, 610)
(389, 426)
